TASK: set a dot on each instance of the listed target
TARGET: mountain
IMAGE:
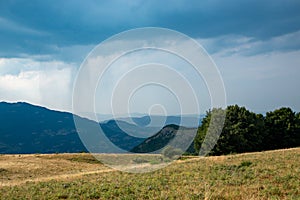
(172, 135)
(191, 121)
(25, 128)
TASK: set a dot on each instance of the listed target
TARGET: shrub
(171, 152)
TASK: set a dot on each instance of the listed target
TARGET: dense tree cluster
(246, 131)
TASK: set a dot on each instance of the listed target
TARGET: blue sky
(255, 44)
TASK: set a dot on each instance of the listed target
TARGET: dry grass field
(263, 175)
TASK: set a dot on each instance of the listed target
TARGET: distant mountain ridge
(191, 121)
(27, 128)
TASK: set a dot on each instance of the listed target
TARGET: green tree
(297, 134)
(241, 132)
(282, 127)
(209, 131)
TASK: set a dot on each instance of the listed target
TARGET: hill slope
(264, 175)
(26, 128)
(32, 129)
(173, 135)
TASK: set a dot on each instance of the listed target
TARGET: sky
(255, 45)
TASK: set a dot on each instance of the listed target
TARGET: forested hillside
(246, 131)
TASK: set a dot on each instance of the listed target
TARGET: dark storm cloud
(43, 27)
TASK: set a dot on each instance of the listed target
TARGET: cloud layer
(42, 83)
(44, 27)
(255, 44)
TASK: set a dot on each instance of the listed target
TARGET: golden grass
(22, 168)
(263, 175)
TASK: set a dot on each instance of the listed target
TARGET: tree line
(246, 131)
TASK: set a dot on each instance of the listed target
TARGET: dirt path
(71, 170)
(68, 176)
(55, 177)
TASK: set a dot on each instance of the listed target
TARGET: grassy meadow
(262, 175)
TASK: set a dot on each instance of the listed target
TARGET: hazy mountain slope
(25, 128)
(156, 120)
(172, 135)
(32, 129)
